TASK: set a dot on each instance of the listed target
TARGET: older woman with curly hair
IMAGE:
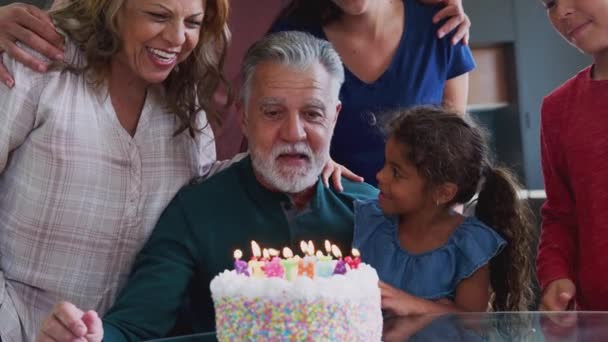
(92, 151)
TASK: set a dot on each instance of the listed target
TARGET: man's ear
(338, 109)
(445, 193)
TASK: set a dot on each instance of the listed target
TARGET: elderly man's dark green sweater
(197, 234)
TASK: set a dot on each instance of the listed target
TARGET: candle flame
(304, 247)
(265, 254)
(327, 246)
(287, 253)
(311, 247)
(319, 254)
(238, 254)
(336, 251)
(273, 252)
(355, 253)
(255, 249)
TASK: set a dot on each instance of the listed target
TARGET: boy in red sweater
(572, 262)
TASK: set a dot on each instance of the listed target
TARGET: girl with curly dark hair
(429, 257)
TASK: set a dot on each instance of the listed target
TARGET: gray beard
(289, 180)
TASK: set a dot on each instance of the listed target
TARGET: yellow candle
(255, 264)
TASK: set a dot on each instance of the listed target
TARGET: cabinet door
(492, 20)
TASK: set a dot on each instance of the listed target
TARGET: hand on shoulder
(32, 27)
(455, 19)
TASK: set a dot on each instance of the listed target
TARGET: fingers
(68, 323)
(25, 58)
(336, 179)
(33, 27)
(551, 302)
(38, 36)
(454, 19)
(42, 26)
(327, 171)
(347, 173)
(462, 34)
(5, 76)
(94, 326)
(70, 317)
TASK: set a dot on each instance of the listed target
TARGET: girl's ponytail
(499, 207)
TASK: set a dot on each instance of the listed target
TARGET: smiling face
(583, 23)
(402, 189)
(156, 36)
(289, 120)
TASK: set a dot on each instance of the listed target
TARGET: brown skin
(33, 27)
(367, 36)
(425, 223)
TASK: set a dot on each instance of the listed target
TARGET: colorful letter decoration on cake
(240, 266)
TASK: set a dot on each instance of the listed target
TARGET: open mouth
(162, 56)
(294, 156)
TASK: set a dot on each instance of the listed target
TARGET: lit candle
(340, 265)
(327, 247)
(240, 266)
(255, 263)
(290, 264)
(274, 268)
(304, 247)
(265, 254)
(311, 248)
(353, 262)
(325, 266)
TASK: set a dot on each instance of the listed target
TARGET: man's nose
(293, 128)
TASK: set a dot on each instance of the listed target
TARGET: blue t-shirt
(431, 275)
(415, 76)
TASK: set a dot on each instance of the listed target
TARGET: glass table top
(509, 326)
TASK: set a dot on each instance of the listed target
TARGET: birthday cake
(297, 299)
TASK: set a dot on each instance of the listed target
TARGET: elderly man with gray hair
(289, 107)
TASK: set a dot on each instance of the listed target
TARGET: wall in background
(536, 60)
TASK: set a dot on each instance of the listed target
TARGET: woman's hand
(455, 17)
(32, 27)
(336, 171)
(69, 323)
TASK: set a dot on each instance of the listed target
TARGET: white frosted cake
(297, 303)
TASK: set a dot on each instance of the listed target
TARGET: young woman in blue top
(430, 258)
(393, 59)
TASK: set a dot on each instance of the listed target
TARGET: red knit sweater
(574, 147)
